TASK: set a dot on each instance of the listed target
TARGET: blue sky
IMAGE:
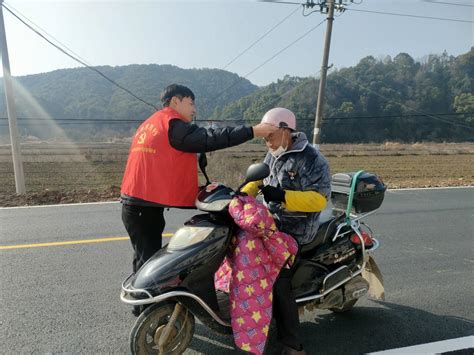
(196, 34)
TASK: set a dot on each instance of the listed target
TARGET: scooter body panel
(190, 268)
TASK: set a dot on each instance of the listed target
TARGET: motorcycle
(176, 285)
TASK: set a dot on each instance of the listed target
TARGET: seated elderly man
(300, 180)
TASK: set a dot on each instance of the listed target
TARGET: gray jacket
(302, 168)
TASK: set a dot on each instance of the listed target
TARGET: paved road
(65, 298)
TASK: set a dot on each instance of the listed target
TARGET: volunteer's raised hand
(263, 130)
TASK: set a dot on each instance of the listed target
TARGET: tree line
(389, 99)
(396, 99)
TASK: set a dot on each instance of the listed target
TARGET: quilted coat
(301, 168)
(257, 254)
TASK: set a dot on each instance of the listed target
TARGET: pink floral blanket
(257, 254)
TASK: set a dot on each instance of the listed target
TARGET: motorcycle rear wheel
(149, 327)
(346, 307)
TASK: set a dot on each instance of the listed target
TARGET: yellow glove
(251, 188)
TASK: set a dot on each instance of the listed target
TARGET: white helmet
(281, 118)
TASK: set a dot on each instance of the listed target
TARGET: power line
(259, 39)
(240, 54)
(84, 63)
(448, 3)
(285, 48)
(92, 121)
(139, 120)
(310, 13)
(238, 81)
(410, 15)
(78, 60)
(278, 97)
(378, 118)
(401, 116)
(282, 2)
(48, 34)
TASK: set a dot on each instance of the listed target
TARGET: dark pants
(145, 226)
(285, 310)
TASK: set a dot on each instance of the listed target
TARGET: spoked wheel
(346, 307)
(150, 334)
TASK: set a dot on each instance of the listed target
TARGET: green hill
(377, 100)
(374, 101)
(83, 94)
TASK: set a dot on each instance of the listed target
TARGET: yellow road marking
(70, 242)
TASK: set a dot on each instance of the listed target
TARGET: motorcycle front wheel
(150, 327)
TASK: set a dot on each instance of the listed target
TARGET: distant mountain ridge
(374, 101)
(82, 93)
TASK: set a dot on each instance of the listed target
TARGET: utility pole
(16, 154)
(322, 80)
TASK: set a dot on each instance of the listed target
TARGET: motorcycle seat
(326, 228)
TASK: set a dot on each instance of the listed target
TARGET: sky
(198, 34)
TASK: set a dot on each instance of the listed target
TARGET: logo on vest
(141, 138)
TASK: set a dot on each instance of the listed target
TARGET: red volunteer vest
(155, 171)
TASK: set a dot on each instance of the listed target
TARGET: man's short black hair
(180, 91)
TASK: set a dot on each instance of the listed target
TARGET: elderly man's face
(277, 139)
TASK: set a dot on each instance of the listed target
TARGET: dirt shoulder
(75, 182)
(54, 197)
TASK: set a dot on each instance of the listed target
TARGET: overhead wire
(448, 3)
(309, 13)
(106, 120)
(385, 13)
(78, 60)
(240, 54)
(45, 32)
(282, 2)
(239, 80)
(285, 48)
(84, 63)
(259, 39)
(410, 15)
(278, 97)
(413, 16)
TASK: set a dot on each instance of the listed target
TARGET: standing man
(161, 168)
(300, 181)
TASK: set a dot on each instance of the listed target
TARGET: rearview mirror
(257, 172)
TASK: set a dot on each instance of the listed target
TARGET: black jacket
(191, 138)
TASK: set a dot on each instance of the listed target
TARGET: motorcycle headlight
(187, 236)
(215, 206)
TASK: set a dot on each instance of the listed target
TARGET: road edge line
(113, 202)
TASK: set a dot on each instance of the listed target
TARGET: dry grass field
(64, 172)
